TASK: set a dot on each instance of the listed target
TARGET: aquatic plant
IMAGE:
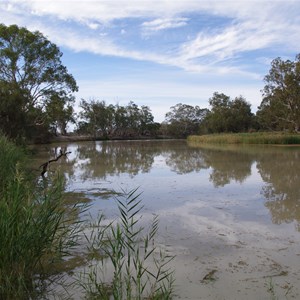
(10, 157)
(36, 228)
(279, 138)
(139, 269)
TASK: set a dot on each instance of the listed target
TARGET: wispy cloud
(228, 42)
(163, 24)
(251, 26)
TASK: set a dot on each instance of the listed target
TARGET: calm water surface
(254, 182)
(211, 200)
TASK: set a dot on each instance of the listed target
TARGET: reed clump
(36, 229)
(138, 269)
(275, 138)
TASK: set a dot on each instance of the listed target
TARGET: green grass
(36, 228)
(275, 138)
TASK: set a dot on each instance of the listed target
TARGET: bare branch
(45, 165)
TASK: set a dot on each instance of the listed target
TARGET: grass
(36, 229)
(139, 270)
(276, 138)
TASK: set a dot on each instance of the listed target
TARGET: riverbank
(276, 138)
(83, 138)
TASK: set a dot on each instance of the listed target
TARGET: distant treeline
(106, 121)
(37, 100)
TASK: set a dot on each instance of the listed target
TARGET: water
(231, 209)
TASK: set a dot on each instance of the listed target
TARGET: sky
(163, 52)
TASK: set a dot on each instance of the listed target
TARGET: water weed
(132, 266)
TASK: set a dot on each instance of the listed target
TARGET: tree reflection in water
(278, 167)
(281, 173)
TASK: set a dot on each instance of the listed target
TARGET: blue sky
(162, 52)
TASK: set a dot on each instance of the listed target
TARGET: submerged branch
(45, 165)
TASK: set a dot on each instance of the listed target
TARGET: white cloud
(254, 25)
(93, 25)
(163, 24)
(103, 27)
(227, 43)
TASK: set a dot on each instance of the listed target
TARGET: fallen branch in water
(46, 164)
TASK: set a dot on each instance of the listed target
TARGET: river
(229, 211)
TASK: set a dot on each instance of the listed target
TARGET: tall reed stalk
(140, 269)
(36, 229)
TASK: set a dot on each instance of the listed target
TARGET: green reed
(140, 269)
(277, 138)
(10, 157)
(36, 229)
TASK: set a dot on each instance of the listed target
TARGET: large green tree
(241, 119)
(218, 118)
(280, 107)
(183, 119)
(60, 112)
(31, 74)
(228, 115)
(98, 118)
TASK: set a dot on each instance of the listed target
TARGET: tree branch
(45, 165)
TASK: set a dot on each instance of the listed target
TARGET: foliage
(139, 270)
(102, 120)
(219, 116)
(60, 112)
(97, 116)
(184, 119)
(227, 115)
(31, 77)
(11, 156)
(35, 227)
(280, 107)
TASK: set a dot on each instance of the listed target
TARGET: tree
(280, 107)
(228, 115)
(60, 112)
(133, 118)
(103, 120)
(240, 115)
(32, 73)
(218, 118)
(147, 124)
(184, 119)
(121, 120)
(95, 115)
